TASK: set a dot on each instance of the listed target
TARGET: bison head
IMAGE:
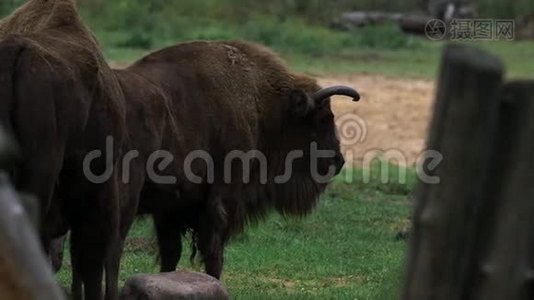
(310, 153)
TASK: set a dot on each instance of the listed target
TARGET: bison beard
(60, 100)
(229, 96)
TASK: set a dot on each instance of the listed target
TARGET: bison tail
(11, 49)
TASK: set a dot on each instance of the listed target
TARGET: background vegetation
(285, 258)
(299, 29)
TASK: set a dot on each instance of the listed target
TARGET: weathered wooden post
(24, 271)
(447, 214)
(506, 256)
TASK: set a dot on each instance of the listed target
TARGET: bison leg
(211, 249)
(57, 229)
(77, 285)
(127, 217)
(112, 269)
(168, 231)
(87, 265)
(210, 238)
(55, 253)
(115, 248)
(93, 234)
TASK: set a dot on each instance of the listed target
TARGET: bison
(60, 101)
(236, 98)
(227, 96)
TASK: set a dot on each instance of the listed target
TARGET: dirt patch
(141, 245)
(285, 283)
(393, 116)
(311, 285)
(342, 281)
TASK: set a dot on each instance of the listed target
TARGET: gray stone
(173, 286)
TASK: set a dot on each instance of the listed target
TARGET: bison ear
(300, 103)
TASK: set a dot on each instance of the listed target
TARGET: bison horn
(336, 90)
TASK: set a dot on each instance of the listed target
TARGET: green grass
(130, 12)
(422, 61)
(369, 52)
(347, 249)
(128, 29)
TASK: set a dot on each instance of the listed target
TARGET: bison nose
(340, 162)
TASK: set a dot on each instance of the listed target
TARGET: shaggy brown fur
(61, 101)
(50, 22)
(150, 127)
(234, 96)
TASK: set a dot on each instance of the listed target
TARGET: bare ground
(393, 116)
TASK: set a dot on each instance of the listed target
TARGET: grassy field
(347, 249)
(308, 47)
(421, 60)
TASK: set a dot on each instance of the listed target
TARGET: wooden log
(414, 24)
(357, 19)
(24, 271)
(506, 256)
(447, 214)
(409, 23)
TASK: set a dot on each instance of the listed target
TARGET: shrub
(388, 36)
(504, 9)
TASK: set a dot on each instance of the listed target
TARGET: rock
(179, 285)
(414, 24)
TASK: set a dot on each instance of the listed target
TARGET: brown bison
(61, 101)
(236, 100)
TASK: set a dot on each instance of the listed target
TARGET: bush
(388, 36)
(286, 25)
(505, 9)
(7, 6)
(138, 40)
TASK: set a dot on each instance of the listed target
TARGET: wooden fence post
(24, 270)
(506, 260)
(447, 214)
